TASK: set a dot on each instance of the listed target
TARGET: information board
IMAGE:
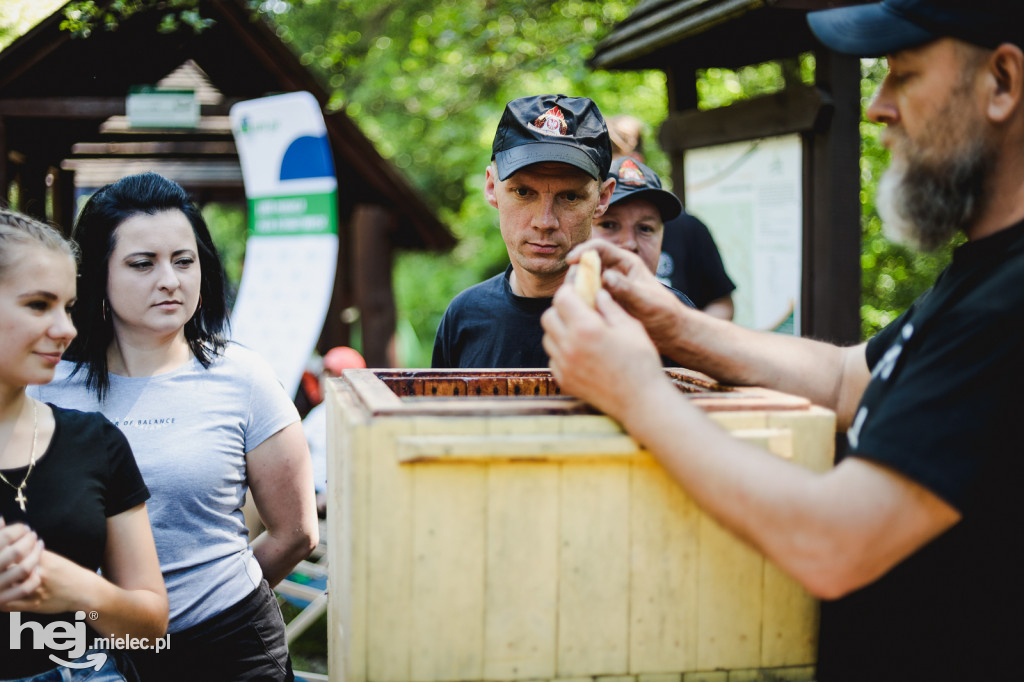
(750, 196)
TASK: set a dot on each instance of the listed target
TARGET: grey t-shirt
(189, 430)
(315, 428)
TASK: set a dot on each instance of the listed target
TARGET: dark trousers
(245, 642)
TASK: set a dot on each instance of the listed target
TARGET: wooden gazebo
(63, 113)
(682, 36)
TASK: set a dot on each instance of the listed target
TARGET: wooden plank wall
(562, 566)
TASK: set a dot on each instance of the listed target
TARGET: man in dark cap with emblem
(911, 540)
(547, 178)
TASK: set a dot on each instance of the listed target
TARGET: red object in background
(310, 385)
(341, 358)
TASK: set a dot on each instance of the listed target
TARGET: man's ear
(607, 187)
(1006, 75)
(489, 179)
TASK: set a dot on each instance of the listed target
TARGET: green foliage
(427, 80)
(722, 87)
(18, 16)
(228, 229)
(84, 17)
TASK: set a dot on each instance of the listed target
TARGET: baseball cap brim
(867, 30)
(517, 158)
(668, 204)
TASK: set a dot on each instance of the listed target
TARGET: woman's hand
(60, 586)
(20, 551)
(129, 598)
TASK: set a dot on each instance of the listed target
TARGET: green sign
(296, 214)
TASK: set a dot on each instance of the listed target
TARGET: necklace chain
(20, 489)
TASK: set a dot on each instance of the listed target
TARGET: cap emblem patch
(630, 174)
(551, 122)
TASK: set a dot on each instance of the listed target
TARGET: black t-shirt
(690, 261)
(942, 408)
(87, 473)
(488, 326)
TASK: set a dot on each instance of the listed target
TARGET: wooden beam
(668, 23)
(187, 149)
(62, 107)
(87, 107)
(794, 110)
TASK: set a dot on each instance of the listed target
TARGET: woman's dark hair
(111, 205)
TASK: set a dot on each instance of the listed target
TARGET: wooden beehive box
(483, 527)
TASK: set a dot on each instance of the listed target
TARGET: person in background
(207, 420)
(548, 178)
(689, 259)
(909, 539)
(67, 479)
(636, 216)
(335, 361)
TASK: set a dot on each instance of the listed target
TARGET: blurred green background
(426, 81)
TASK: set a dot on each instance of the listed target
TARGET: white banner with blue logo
(292, 250)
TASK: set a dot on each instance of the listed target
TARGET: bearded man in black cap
(549, 161)
(910, 540)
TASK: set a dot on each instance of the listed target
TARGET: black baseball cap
(881, 28)
(552, 128)
(634, 180)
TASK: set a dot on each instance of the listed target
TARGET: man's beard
(924, 200)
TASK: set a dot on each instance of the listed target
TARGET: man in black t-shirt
(912, 539)
(547, 178)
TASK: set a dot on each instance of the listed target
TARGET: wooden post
(32, 189)
(682, 96)
(4, 176)
(832, 234)
(63, 199)
(372, 225)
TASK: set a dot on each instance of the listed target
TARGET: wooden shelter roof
(80, 85)
(704, 33)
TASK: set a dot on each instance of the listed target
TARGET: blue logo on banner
(307, 157)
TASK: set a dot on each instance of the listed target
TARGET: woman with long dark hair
(207, 420)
